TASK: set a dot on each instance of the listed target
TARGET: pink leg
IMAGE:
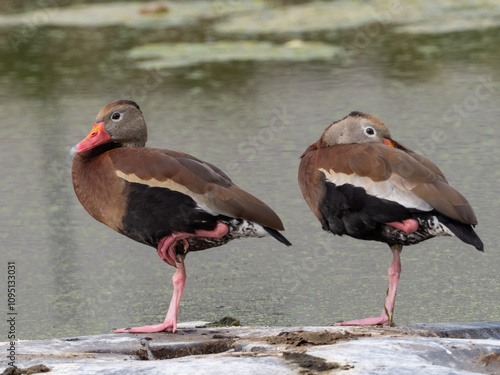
(170, 323)
(407, 226)
(386, 318)
(166, 251)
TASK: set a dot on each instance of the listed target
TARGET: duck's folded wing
(206, 184)
(396, 175)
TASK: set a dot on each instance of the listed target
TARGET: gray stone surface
(476, 330)
(427, 349)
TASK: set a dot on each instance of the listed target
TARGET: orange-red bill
(388, 142)
(96, 137)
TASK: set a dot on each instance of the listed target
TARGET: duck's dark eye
(116, 116)
(369, 131)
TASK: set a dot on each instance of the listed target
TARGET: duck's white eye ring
(116, 116)
(369, 131)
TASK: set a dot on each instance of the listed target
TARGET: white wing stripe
(394, 189)
(169, 184)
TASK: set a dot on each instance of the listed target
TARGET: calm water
(77, 277)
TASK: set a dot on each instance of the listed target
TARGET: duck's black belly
(349, 210)
(156, 212)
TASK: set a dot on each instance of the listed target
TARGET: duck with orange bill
(360, 182)
(166, 199)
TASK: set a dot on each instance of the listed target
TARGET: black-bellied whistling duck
(358, 181)
(163, 198)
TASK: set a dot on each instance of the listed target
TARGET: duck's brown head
(120, 123)
(357, 127)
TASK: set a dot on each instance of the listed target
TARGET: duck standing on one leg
(360, 182)
(163, 198)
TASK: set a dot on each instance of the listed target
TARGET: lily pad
(371, 17)
(455, 19)
(168, 55)
(300, 18)
(132, 14)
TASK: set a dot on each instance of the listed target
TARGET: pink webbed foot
(167, 326)
(382, 320)
(166, 247)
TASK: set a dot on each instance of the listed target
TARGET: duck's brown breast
(100, 191)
